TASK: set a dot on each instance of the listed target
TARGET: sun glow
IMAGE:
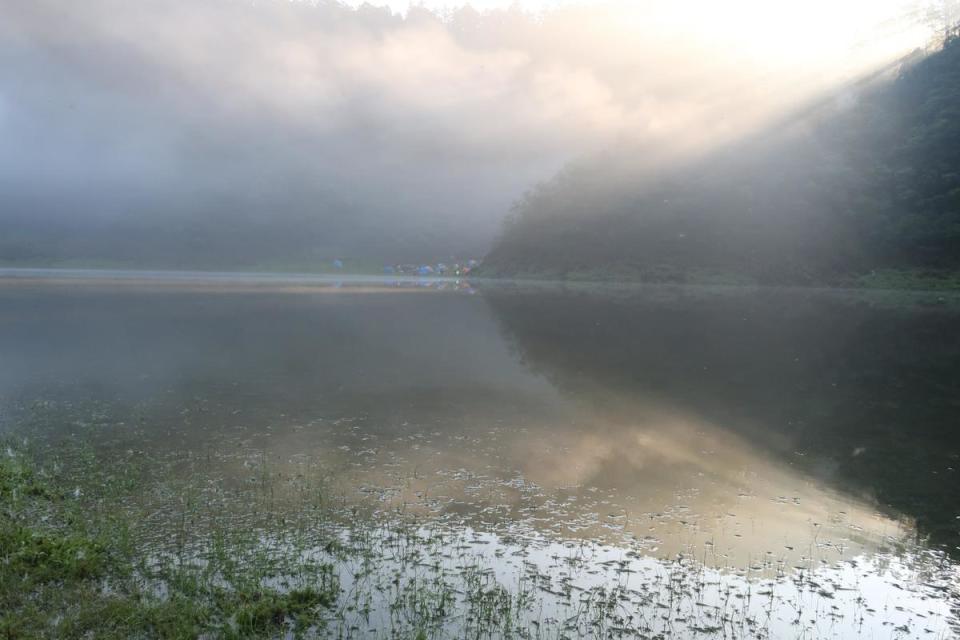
(778, 28)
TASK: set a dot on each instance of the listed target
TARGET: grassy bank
(881, 279)
(350, 267)
(73, 564)
(886, 279)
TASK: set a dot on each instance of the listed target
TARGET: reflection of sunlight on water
(586, 589)
(227, 282)
(668, 482)
(691, 483)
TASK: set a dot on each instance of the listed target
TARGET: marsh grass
(109, 544)
(73, 564)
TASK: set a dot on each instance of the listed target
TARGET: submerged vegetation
(71, 565)
(99, 544)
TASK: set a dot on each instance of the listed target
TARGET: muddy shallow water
(736, 446)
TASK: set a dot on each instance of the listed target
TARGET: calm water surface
(773, 438)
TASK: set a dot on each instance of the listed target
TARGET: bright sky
(822, 7)
(766, 19)
(799, 33)
(402, 5)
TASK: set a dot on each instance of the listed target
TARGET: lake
(506, 460)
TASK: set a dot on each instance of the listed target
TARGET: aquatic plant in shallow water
(65, 575)
(198, 558)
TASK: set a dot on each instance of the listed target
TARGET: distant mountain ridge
(870, 182)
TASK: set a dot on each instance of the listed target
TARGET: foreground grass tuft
(67, 573)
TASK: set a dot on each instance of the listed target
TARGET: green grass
(892, 279)
(318, 267)
(109, 543)
(915, 279)
(70, 568)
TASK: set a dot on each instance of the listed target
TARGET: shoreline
(200, 276)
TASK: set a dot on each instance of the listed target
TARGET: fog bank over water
(225, 131)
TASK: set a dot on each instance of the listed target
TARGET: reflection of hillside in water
(673, 482)
(652, 424)
(860, 396)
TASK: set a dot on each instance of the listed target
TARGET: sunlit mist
(398, 130)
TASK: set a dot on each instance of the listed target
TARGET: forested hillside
(866, 180)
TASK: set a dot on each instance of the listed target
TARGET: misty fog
(232, 132)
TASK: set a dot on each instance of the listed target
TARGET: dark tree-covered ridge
(869, 179)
